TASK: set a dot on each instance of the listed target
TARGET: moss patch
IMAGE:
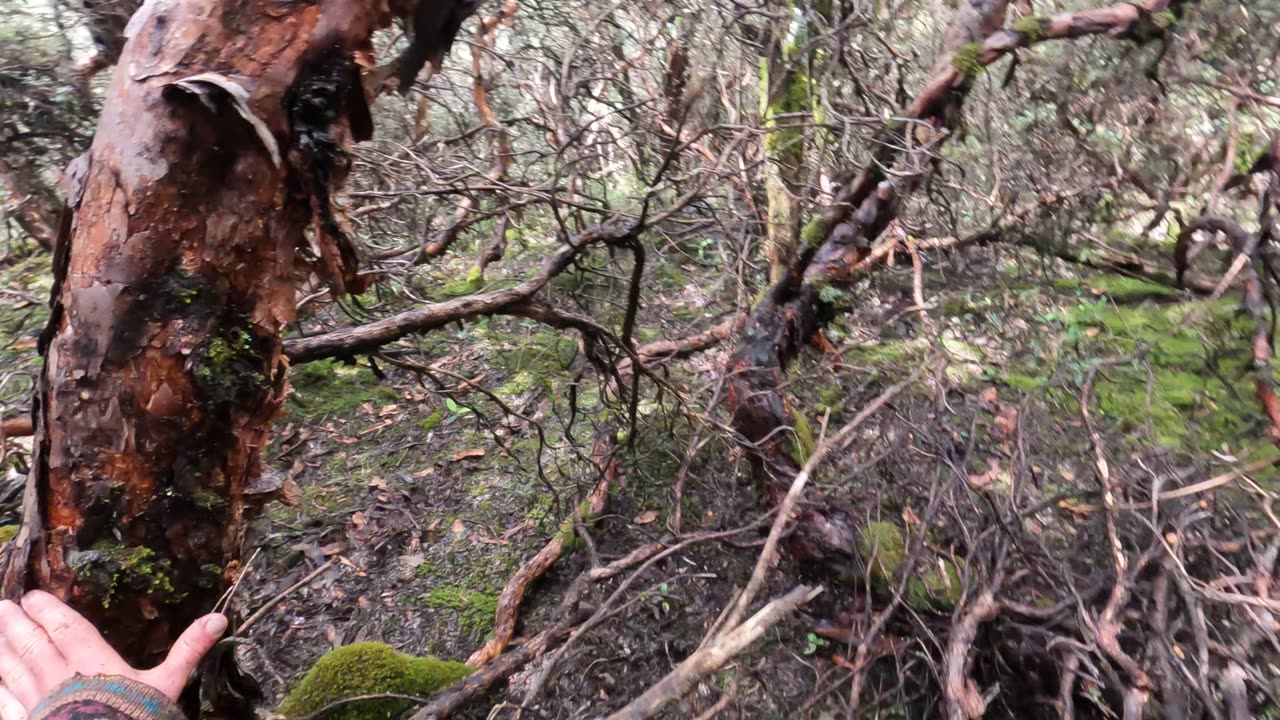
(475, 610)
(7, 533)
(968, 59)
(935, 585)
(329, 388)
(365, 669)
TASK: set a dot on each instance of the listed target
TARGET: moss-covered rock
(934, 586)
(369, 668)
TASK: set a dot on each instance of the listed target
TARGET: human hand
(44, 643)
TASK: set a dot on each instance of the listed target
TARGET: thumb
(171, 675)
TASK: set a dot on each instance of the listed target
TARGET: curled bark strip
(711, 657)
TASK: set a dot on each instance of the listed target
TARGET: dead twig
(713, 656)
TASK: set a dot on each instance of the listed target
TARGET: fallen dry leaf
(518, 528)
(992, 474)
(357, 520)
(290, 493)
(331, 549)
(379, 426)
(458, 528)
(988, 396)
(469, 453)
(646, 517)
(1006, 422)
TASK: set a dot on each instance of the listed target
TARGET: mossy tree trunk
(223, 134)
(787, 105)
(838, 245)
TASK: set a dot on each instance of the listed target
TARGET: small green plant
(456, 411)
(813, 642)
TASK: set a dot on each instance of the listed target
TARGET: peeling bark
(224, 133)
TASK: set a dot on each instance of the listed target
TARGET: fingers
(29, 662)
(83, 647)
(172, 674)
(10, 708)
(16, 677)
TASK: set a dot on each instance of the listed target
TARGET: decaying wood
(223, 136)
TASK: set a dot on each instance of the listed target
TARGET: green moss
(1247, 153)
(1189, 381)
(519, 384)
(7, 533)
(475, 279)
(207, 499)
(329, 388)
(1124, 289)
(814, 232)
(475, 610)
(369, 668)
(936, 584)
(803, 443)
(882, 545)
(117, 569)
(1022, 383)
(431, 422)
(1032, 28)
(968, 59)
(228, 370)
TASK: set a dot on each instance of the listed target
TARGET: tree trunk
(786, 106)
(224, 132)
(838, 244)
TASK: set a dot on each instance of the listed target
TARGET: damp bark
(224, 131)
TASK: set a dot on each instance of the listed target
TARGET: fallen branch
(16, 426)
(710, 658)
(788, 504)
(363, 338)
(963, 698)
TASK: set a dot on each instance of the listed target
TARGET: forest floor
(424, 497)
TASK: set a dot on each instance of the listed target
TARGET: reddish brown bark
(17, 426)
(223, 134)
(862, 209)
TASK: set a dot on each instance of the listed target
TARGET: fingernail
(216, 624)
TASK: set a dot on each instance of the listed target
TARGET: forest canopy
(667, 358)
